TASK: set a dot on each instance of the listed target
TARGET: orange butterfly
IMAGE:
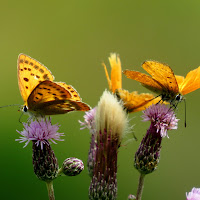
(133, 102)
(164, 82)
(41, 95)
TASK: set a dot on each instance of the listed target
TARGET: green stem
(60, 172)
(140, 187)
(50, 190)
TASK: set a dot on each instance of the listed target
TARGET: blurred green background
(72, 38)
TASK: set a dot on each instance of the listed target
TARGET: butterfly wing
(164, 75)
(61, 107)
(135, 102)
(74, 94)
(191, 82)
(145, 80)
(49, 98)
(179, 80)
(30, 74)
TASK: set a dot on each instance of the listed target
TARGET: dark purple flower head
(40, 131)
(45, 163)
(162, 117)
(194, 194)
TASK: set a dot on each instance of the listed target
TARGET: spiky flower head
(162, 117)
(194, 194)
(41, 132)
(148, 154)
(72, 166)
(111, 123)
(89, 120)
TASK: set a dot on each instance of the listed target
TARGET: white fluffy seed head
(111, 116)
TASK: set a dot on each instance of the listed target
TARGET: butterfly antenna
(185, 111)
(10, 105)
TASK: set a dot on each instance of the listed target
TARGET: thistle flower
(41, 133)
(194, 194)
(110, 123)
(72, 166)
(162, 119)
(89, 120)
(148, 154)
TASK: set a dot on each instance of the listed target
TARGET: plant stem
(140, 187)
(60, 172)
(50, 190)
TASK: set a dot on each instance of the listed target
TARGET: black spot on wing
(26, 79)
(41, 70)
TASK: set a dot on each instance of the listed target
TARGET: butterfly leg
(20, 118)
(157, 97)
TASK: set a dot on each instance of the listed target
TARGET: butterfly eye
(179, 97)
(25, 109)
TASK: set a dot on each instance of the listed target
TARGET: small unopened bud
(131, 196)
(72, 166)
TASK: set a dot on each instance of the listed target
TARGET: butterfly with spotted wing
(41, 95)
(170, 87)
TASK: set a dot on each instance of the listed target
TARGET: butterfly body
(171, 88)
(41, 95)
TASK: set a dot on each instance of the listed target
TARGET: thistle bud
(72, 166)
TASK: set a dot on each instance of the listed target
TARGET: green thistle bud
(72, 166)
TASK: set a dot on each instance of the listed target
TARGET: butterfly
(170, 87)
(134, 102)
(41, 95)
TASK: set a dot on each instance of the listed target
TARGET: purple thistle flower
(148, 154)
(40, 131)
(162, 117)
(194, 194)
(89, 121)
